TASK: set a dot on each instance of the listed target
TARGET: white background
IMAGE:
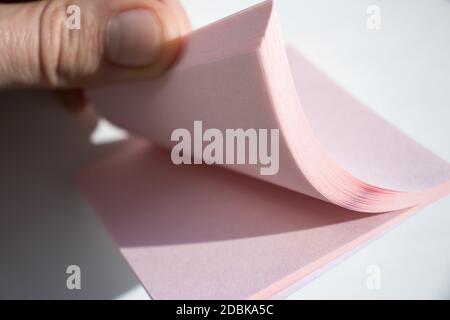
(402, 72)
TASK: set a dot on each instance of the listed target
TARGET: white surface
(401, 71)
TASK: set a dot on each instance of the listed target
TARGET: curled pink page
(235, 74)
(202, 232)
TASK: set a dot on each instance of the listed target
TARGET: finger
(180, 14)
(116, 41)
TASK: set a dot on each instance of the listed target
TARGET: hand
(43, 45)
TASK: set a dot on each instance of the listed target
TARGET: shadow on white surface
(45, 225)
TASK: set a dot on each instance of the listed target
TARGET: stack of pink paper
(198, 231)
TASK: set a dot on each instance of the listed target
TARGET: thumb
(78, 43)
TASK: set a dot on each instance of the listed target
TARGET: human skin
(117, 41)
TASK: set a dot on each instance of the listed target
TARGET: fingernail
(133, 38)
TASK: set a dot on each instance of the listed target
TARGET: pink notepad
(207, 232)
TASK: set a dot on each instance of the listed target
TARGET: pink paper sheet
(235, 74)
(204, 232)
(207, 233)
